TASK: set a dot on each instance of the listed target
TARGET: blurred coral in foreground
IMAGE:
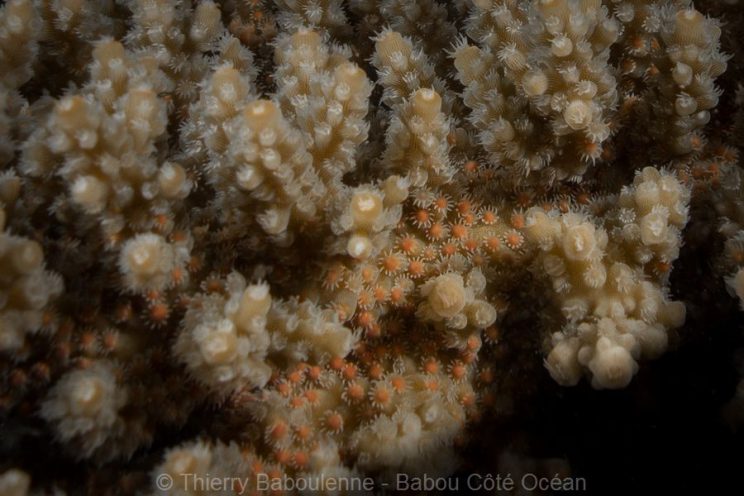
(328, 233)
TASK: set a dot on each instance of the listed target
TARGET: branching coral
(332, 245)
(616, 309)
(539, 87)
(226, 341)
(26, 289)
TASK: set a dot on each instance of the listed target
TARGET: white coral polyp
(90, 193)
(612, 366)
(14, 482)
(579, 242)
(562, 363)
(578, 114)
(84, 407)
(654, 228)
(366, 207)
(254, 303)
(359, 246)
(390, 441)
(481, 314)
(447, 296)
(221, 345)
(200, 460)
(535, 83)
(146, 262)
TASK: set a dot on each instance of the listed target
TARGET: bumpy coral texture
(318, 229)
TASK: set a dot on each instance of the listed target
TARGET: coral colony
(321, 231)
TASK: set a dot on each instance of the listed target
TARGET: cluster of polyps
(615, 306)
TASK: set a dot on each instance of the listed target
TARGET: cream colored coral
(225, 94)
(616, 311)
(363, 217)
(234, 341)
(176, 39)
(684, 68)
(27, 290)
(147, 261)
(326, 469)
(373, 228)
(416, 413)
(225, 342)
(425, 22)
(14, 482)
(84, 408)
(457, 302)
(555, 116)
(319, 14)
(327, 97)
(19, 37)
(269, 161)
(447, 296)
(417, 140)
(651, 216)
(106, 137)
(412, 438)
(188, 464)
(403, 69)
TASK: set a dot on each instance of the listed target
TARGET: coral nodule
(318, 239)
